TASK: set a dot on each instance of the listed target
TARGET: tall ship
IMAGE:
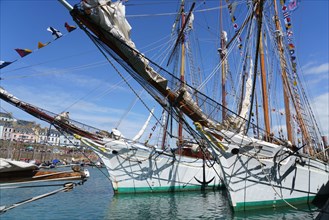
(260, 166)
(133, 166)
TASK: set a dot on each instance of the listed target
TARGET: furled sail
(110, 16)
(112, 35)
(240, 122)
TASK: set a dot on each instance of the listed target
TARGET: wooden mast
(306, 136)
(284, 75)
(223, 61)
(182, 73)
(264, 90)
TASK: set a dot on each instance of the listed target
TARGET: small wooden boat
(22, 172)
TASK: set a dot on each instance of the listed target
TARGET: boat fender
(86, 173)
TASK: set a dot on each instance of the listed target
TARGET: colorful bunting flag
(56, 34)
(69, 28)
(284, 8)
(286, 14)
(231, 8)
(292, 5)
(23, 52)
(41, 45)
(287, 20)
(288, 26)
(4, 64)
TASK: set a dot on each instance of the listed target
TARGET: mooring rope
(66, 188)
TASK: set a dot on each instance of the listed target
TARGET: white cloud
(321, 107)
(311, 68)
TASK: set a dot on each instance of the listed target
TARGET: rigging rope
(116, 69)
(133, 103)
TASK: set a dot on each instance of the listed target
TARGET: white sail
(240, 121)
(246, 100)
(141, 132)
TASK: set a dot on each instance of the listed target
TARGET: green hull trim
(122, 190)
(272, 203)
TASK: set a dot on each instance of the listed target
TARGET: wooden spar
(306, 136)
(284, 77)
(182, 73)
(171, 96)
(181, 33)
(66, 5)
(259, 34)
(223, 61)
(264, 90)
(42, 114)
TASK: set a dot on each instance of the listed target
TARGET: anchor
(204, 183)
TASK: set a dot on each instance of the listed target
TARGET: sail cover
(110, 16)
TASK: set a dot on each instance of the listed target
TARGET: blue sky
(70, 73)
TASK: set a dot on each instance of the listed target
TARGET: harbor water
(95, 200)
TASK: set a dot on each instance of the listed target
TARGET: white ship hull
(260, 174)
(136, 168)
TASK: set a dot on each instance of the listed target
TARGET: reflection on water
(193, 205)
(95, 200)
(182, 205)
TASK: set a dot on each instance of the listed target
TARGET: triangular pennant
(4, 64)
(56, 34)
(41, 45)
(69, 28)
(23, 52)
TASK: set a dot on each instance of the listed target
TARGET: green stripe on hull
(271, 203)
(162, 189)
